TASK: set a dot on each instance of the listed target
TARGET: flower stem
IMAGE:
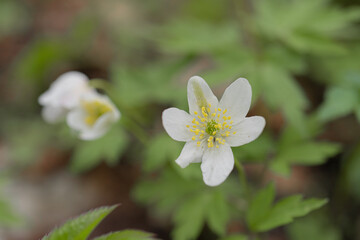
(242, 178)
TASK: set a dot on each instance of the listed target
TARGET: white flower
(213, 127)
(93, 117)
(63, 95)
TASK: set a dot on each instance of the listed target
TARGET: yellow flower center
(213, 126)
(94, 110)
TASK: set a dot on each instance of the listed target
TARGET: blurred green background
(302, 58)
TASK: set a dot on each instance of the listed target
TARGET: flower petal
(175, 121)
(246, 131)
(199, 95)
(190, 153)
(100, 127)
(76, 119)
(66, 90)
(53, 114)
(237, 99)
(217, 164)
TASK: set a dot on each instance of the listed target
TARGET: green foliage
(293, 149)
(235, 237)
(263, 215)
(190, 217)
(314, 227)
(126, 235)
(309, 26)
(160, 151)
(7, 216)
(10, 22)
(153, 83)
(256, 151)
(39, 59)
(80, 227)
(25, 142)
(350, 172)
(46, 54)
(191, 36)
(192, 203)
(88, 154)
(339, 101)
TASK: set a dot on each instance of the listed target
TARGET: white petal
(76, 119)
(246, 131)
(99, 129)
(190, 153)
(199, 95)
(175, 121)
(237, 99)
(53, 114)
(66, 90)
(217, 164)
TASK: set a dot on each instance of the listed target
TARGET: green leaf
(339, 101)
(7, 215)
(310, 26)
(189, 36)
(281, 91)
(287, 209)
(235, 237)
(314, 227)
(190, 218)
(256, 151)
(110, 147)
(260, 205)
(80, 227)
(127, 235)
(351, 170)
(167, 192)
(262, 217)
(218, 213)
(160, 150)
(149, 84)
(303, 153)
(39, 58)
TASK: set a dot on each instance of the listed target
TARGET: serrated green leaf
(307, 26)
(218, 213)
(127, 235)
(339, 101)
(80, 227)
(303, 153)
(89, 153)
(260, 205)
(285, 211)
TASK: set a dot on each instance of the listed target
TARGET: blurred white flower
(213, 127)
(93, 117)
(63, 95)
